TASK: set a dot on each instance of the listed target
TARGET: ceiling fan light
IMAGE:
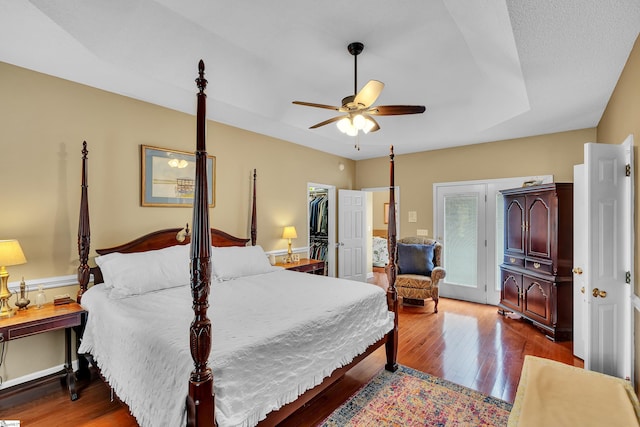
(359, 121)
(352, 131)
(368, 125)
(344, 124)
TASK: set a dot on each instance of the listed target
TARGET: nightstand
(50, 317)
(305, 265)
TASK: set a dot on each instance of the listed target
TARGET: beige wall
(621, 118)
(415, 174)
(43, 121)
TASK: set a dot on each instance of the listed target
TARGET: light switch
(413, 216)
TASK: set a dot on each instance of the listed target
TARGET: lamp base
(5, 310)
(288, 259)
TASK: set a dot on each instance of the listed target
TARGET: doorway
(377, 224)
(321, 231)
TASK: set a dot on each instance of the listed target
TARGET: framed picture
(168, 177)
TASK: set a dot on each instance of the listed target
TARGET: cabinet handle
(536, 265)
(512, 260)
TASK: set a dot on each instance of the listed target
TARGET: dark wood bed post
(200, 401)
(254, 232)
(84, 233)
(392, 294)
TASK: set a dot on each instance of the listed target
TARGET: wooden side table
(50, 317)
(305, 265)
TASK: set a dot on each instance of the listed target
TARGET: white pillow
(237, 261)
(142, 272)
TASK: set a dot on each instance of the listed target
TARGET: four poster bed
(273, 339)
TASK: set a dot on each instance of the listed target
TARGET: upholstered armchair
(419, 270)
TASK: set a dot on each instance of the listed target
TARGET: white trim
(35, 375)
(635, 301)
(46, 283)
(280, 252)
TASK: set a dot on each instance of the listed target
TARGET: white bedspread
(275, 336)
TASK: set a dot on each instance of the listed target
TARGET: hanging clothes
(318, 226)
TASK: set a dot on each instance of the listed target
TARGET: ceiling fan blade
(368, 94)
(396, 110)
(311, 104)
(326, 122)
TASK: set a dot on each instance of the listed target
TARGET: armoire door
(538, 227)
(511, 292)
(537, 300)
(514, 239)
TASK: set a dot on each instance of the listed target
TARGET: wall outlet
(421, 232)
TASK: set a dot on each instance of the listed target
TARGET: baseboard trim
(35, 376)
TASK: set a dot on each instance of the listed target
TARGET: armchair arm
(437, 274)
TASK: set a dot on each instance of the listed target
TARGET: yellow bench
(554, 394)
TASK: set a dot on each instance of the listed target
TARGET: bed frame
(200, 401)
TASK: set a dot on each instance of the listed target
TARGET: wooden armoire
(536, 277)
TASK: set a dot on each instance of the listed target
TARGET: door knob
(577, 270)
(582, 289)
(598, 293)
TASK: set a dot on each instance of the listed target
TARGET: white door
(579, 256)
(461, 229)
(608, 208)
(352, 239)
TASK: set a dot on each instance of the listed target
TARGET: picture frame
(168, 177)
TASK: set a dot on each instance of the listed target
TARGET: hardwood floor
(466, 343)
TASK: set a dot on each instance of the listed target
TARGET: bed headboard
(163, 239)
(377, 232)
(171, 237)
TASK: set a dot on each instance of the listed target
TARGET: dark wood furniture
(200, 400)
(50, 317)
(536, 277)
(305, 265)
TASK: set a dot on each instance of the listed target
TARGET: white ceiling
(485, 70)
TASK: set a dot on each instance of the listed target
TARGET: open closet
(318, 223)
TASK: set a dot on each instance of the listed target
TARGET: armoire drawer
(539, 266)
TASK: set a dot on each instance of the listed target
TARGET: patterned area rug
(412, 398)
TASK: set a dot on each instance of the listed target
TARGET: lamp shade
(11, 253)
(289, 232)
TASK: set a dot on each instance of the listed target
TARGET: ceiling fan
(358, 108)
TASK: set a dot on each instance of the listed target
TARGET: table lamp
(10, 254)
(289, 233)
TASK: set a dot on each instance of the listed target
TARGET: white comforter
(275, 335)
